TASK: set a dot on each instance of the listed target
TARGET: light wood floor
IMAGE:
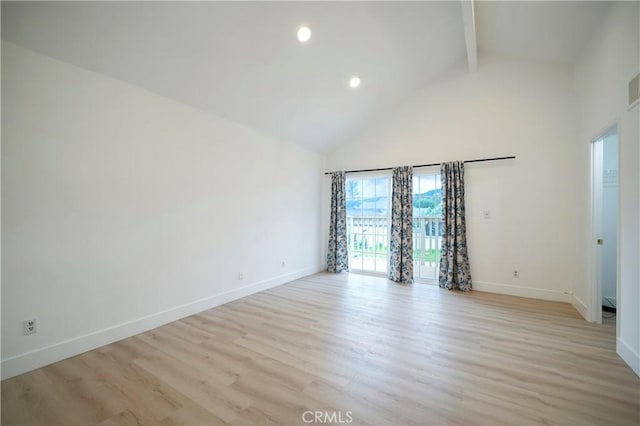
(369, 350)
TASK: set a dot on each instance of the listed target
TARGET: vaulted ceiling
(242, 61)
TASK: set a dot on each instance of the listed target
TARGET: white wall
(610, 219)
(608, 63)
(505, 108)
(123, 210)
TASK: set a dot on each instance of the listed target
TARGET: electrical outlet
(516, 273)
(30, 326)
(240, 276)
(283, 264)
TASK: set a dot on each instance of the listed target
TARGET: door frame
(595, 225)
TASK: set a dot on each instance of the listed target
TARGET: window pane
(382, 187)
(367, 211)
(427, 234)
(368, 188)
(353, 189)
(382, 206)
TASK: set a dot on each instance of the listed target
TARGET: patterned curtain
(337, 256)
(454, 263)
(401, 247)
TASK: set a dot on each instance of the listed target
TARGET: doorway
(427, 226)
(604, 196)
(368, 216)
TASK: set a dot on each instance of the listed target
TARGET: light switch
(486, 214)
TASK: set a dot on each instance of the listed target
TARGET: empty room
(292, 213)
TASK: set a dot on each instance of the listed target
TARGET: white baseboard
(31, 360)
(511, 290)
(629, 356)
(580, 306)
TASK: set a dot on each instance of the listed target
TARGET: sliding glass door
(368, 216)
(368, 201)
(427, 226)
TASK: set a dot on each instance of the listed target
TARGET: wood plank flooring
(353, 348)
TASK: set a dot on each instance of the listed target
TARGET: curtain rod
(512, 157)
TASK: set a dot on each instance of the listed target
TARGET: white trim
(612, 128)
(580, 306)
(531, 292)
(628, 355)
(595, 295)
(37, 358)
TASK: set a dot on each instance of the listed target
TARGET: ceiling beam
(469, 23)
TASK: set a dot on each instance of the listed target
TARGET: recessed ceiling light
(304, 34)
(354, 82)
